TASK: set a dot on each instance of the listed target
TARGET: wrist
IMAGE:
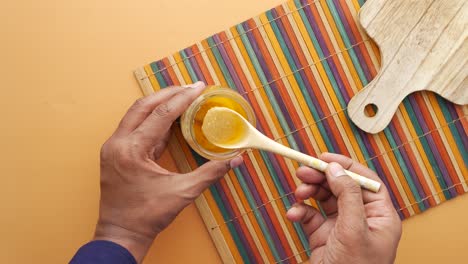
(137, 244)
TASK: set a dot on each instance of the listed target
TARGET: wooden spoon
(227, 129)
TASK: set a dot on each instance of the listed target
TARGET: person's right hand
(359, 226)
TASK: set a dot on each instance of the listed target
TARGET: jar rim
(188, 120)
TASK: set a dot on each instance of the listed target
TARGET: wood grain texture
(145, 83)
(424, 47)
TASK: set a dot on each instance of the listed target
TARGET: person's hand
(359, 226)
(139, 198)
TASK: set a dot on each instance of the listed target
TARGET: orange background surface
(66, 79)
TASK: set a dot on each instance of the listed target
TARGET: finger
(154, 127)
(320, 236)
(200, 179)
(310, 218)
(351, 215)
(351, 165)
(304, 191)
(326, 198)
(142, 108)
(312, 176)
(161, 145)
(309, 175)
(318, 191)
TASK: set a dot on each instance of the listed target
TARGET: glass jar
(192, 120)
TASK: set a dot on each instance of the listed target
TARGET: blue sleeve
(103, 252)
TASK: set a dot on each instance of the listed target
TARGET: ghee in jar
(224, 127)
(192, 120)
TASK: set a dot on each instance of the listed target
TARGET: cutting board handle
(423, 46)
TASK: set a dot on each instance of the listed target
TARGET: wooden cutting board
(423, 45)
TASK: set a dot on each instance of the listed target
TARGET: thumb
(207, 174)
(351, 216)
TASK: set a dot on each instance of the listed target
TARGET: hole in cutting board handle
(371, 110)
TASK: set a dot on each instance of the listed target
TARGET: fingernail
(197, 85)
(336, 170)
(293, 210)
(236, 162)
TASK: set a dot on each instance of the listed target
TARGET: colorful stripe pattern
(298, 65)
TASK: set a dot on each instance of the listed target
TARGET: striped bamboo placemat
(298, 65)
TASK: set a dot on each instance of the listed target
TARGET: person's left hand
(139, 198)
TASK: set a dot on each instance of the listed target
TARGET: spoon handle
(312, 162)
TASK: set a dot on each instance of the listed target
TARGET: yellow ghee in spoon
(223, 127)
(215, 101)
